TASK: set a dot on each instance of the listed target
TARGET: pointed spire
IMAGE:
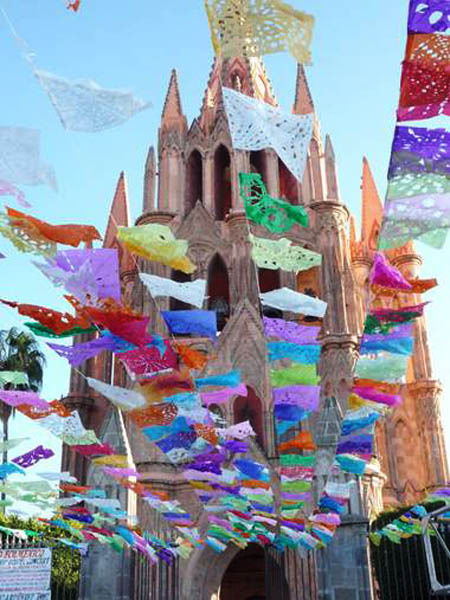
(172, 114)
(243, 74)
(371, 209)
(303, 103)
(149, 181)
(331, 171)
(119, 213)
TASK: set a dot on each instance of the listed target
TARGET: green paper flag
(274, 214)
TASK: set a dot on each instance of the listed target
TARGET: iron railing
(66, 564)
(400, 570)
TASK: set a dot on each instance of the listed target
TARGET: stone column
(428, 394)
(106, 574)
(243, 280)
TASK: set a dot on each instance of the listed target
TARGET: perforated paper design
(386, 275)
(26, 238)
(191, 292)
(429, 16)
(8, 189)
(288, 300)
(56, 321)
(420, 150)
(305, 354)
(418, 184)
(290, 331)
(143, 361)
(297, 375)
(197, 322)
(78, 353)
(88, 274)
(257, 27)
(120, 397)
(156, 242)
(240, 431)
(304, 396)
(85, 106)
(34, 456)
(221, 396)
(255, 125)
(425, 218)
(282, 254)
(20, 160)
(64, 426)
(15, 398)
(384, 368)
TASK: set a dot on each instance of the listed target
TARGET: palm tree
(19, 351)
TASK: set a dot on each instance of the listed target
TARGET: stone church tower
(192, 186)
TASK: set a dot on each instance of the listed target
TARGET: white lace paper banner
(63, 476)
(120, 397)
(20, 159)
(255, 125)
(64, 426)
(85, 106)
(339, 490)
(240, 431)
(191, 292)
(287, 300)
(7, 445)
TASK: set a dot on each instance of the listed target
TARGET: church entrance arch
(245, 577)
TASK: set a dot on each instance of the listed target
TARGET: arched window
(175, 304)
(222, 183)
(268, 280)
(288, 184)
(194, 180)
(258, 163)
(249, 408)
(219, 290)
(308, 284)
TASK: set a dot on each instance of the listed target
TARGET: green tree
(19, 351)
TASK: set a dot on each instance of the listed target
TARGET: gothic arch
(268, 280)
(219, 290)
(222, 182)
(180, 277)
(194, 180)
(250, 408)
(258, 163)
(288, 184)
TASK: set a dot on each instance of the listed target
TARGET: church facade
(192, 186)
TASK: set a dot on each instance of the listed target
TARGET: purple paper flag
(303, 396)
(289, 331)
(34, 456)
(78, 353)
(429, 16)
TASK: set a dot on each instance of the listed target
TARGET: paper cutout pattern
(34, 456)
(282, 254)
(191, 292)
(156, 242)
(287, 300)
(196, 322)
(120, 397)
(257, 27)
(20, 161)
(255, 125)
(85, 106)
(429, 16)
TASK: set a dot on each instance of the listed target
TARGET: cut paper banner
(156, 242)
(56, 321)
(120, 397)
(69, 234)
(221, 396)
(258, 27)
(429, 16)
(85, 106)
(196, 322)
(34, 456)
(282, 254)
(384, 368)
(295, 352)
(386, 275)
(8, 189)
(425, 218)
(287, 300)
(275, 215)
(13, 377)
(289, 331)
(425, 79)
(191, 292)
(20, 159)
(255, 125)
(420, 150)
(77, 354)
(89, 274)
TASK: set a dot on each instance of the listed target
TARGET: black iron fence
(400, 570)
(66, 564)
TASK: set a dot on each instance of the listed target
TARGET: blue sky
(357, 53)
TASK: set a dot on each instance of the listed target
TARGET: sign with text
(25, 574)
